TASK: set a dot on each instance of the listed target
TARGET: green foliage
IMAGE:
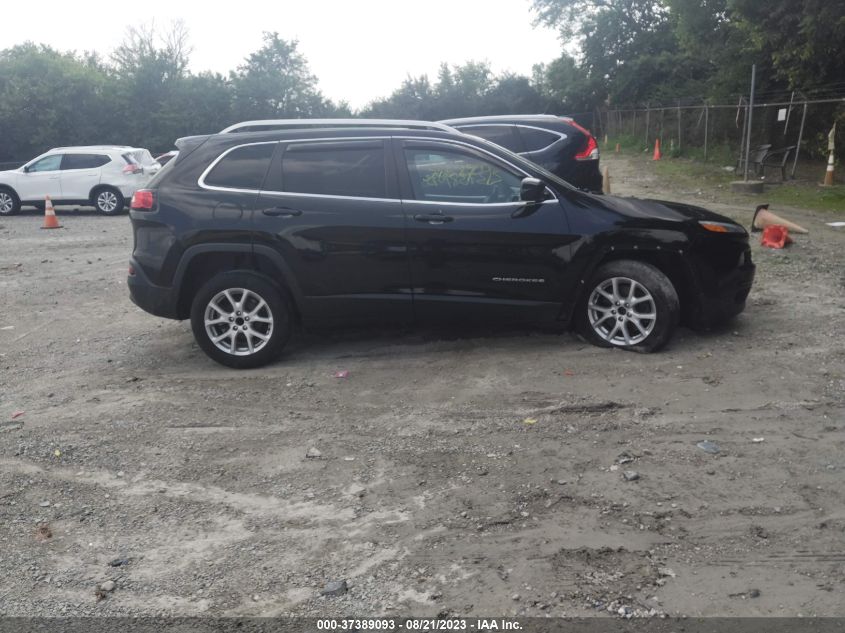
(275, 83)
(144, 95)
(470, 89)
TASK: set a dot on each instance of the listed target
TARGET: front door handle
(282, 212)
(433, 218)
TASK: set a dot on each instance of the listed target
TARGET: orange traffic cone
(763, 218)
(50, 219)
(657, 154)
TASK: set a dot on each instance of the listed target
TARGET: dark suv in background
(250, 234)
(556, 143)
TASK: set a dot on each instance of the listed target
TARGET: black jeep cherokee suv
(250, 234)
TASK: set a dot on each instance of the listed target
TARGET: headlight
(721, 227)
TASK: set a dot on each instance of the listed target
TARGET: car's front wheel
(108, 201)
(9, 202)
(630, 305)
(240, 320)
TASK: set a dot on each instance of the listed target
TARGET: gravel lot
(453, 474)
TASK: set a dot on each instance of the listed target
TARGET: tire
(108, 201)
(605, 316)
(240, 343)
(10, 204)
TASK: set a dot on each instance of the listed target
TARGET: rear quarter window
(502, 135)
(534, 139)
(241, 168)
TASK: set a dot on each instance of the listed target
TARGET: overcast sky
(359, 50)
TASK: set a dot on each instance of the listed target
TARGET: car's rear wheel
(630, 305)
(108, 201)
(10, 204)
(240, 320)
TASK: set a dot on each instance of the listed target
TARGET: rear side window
(351, 169)
(84, 161)
(502, 135)
(242, 168)
(534, 139)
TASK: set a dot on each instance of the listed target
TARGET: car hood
(9, 173)
(661, 209)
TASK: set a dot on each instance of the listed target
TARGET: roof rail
(270, 124)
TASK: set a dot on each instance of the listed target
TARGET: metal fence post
(800, 137)
(750, 118)
(679, 126)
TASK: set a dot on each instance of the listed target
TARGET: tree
(275, 82)
(804, 38)
(49, 98)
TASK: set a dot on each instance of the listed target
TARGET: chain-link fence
(792, 130)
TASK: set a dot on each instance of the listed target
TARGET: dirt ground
(139, 461)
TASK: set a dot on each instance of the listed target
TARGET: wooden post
(706, 116)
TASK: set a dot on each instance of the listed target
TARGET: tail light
(133, 168)
(591, 149)
(143, 200)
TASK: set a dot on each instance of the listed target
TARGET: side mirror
(532, 190)
(26, 169)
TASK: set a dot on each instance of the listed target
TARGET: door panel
(335, 218)
(476, 250)
(42, 179)
(80, 174)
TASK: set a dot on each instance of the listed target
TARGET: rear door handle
(282, 212)
(434, 218)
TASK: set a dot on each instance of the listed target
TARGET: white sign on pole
(782, 114)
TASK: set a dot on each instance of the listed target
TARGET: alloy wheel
(238, 321)
(7, 203)
(622, 311)
(106, 201)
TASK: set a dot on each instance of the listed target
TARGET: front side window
(534, 139)
(349, 169)
(48, 163)
(454, 176)
(242, 168)
(84, 161)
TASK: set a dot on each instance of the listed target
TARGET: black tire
(235, 327)
(108, 200)
(10, 204)
(641, 319)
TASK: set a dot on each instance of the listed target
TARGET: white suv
(104, 176)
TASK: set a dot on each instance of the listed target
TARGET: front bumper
(158, 300)
(722, 294)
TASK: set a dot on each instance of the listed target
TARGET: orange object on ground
(657, 154)
(617, 148)
(775, 236)
(50, 219)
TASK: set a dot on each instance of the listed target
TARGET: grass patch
(689, 174)
(809, 196)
